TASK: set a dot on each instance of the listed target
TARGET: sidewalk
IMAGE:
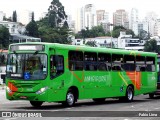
(2, 87)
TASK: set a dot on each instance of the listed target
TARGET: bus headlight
(41, 90)
(8, 89)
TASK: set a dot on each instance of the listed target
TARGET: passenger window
(90, 61)
(104, 62)
(140, 63)
(117, 62)
(150, 64)
(75, 60)
(129, 63)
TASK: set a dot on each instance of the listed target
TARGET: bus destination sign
(27, 47)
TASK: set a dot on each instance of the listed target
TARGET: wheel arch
(75, 91)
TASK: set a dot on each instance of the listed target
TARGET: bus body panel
(90, 84)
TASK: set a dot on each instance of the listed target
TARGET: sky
(40, 6)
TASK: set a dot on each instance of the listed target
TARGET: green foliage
(54, 27)
(91, 43)
(116, 31)
(32, 16)
(129, 31)
(14, 16)
(32, 29)
(53, 35)
(143, 35)
(4, 37)
(56, 14)
(95, 31)
(118, 27)
(151, 46)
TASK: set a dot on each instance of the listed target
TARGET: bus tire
(129, 94)
(70, 99)
(99, 100)
(36, 103)
(151, 95)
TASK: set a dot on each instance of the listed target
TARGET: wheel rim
(70, 99)
(130, 94)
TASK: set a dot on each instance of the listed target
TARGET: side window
(117, 62)
(150, 64)
(104, 62)
(140, 63)
(75, 60)
(129, 63)
(90, 59)
(56, 65)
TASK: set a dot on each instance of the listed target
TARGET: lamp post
(111, 25)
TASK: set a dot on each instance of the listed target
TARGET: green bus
(52, 72)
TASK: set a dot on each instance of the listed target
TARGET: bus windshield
(27, 66)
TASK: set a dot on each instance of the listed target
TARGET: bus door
(103, 78)
(150, 72)
(141, 76)
(118, 75)
(56, 70)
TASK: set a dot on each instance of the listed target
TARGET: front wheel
(70, 99)
(129, 94)
(36, 103)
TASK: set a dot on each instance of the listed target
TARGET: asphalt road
(112, 109)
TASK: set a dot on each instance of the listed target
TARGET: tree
(56, 14)
(95, 31)
(4, 37)
(14, 16)
(116, 31)
(54, 27)
(143, 35)
(32, 16)
(151, 46)
(129, 31)
(91, 43)
(32, 28)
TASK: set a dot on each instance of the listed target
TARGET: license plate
(23, 97)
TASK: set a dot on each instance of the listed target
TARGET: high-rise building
(78, 20)
(89, 16)
(85, 17)
(151, 18)
(133, 18)
(71, 23)
(2, 14)
(100, 16)
(139, 26)
(120, 17)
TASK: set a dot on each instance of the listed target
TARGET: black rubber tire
(36, 103)
(151, 95)
(129, 94)
(70, 99)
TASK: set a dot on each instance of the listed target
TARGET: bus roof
(90, 49)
